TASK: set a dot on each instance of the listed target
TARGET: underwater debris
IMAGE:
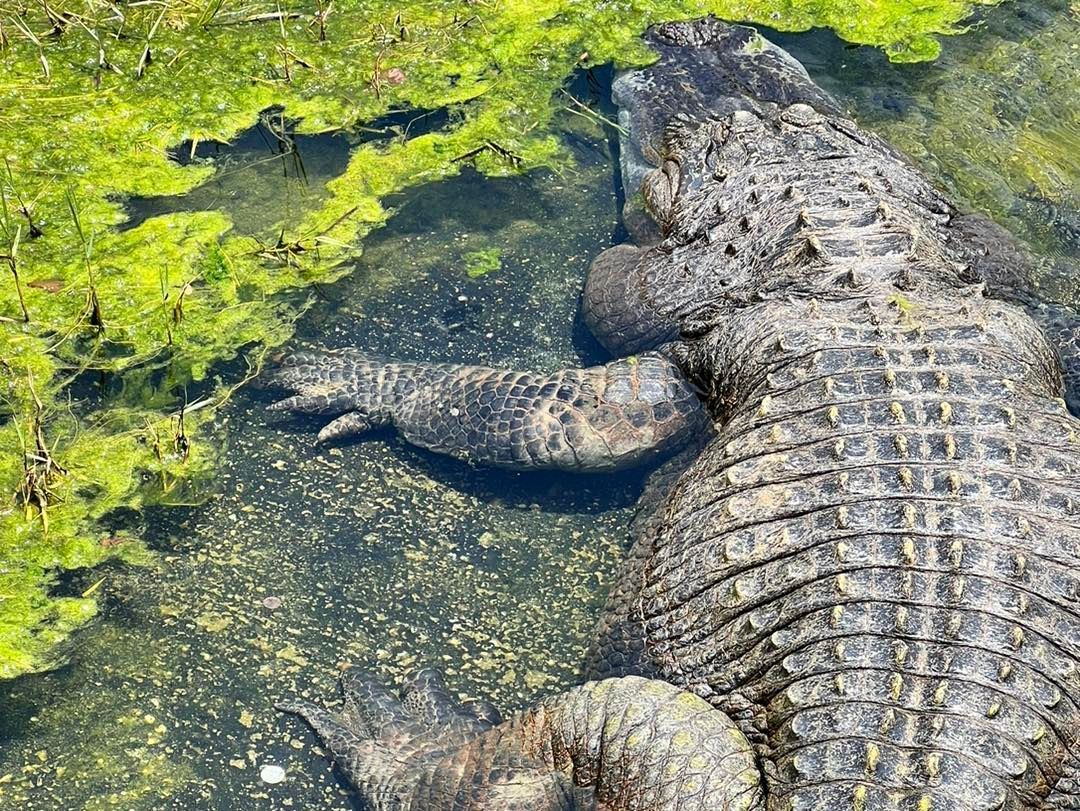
(271, 774)
(285, 252)
(11, 257)
(41, 470)
(504, 153)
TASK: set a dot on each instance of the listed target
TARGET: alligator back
(876, 565)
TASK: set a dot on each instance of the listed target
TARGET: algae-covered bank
(187, 185)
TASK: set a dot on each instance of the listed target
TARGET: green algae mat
(112, 330)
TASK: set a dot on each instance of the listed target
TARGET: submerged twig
(376, 74)
(211, 10)
(163, 281)
(12, 255)
(155, 446)
(181, 443)
(514, 159)
(92, 309)
(41, 471)
(178, 307)
(590, 114)
(281, 251)
(103, 63)
(26, 32)
(26, 209)
(319, 18)
(13, 264)
(257, 18)
(146, 57)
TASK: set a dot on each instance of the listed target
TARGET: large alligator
(864, 591)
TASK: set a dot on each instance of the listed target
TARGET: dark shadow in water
(592, 87)
(300, 159)
(456, 306)
(440, 206)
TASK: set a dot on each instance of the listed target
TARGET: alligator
(858, 585)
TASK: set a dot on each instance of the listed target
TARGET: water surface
(374, 554)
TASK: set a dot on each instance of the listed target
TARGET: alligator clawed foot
(422, 745)
(342, 384)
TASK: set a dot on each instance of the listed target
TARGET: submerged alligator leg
(617, 305)
(602, 418)
(630, 743)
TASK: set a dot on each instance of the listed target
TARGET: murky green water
(374, 554)
(995, 120)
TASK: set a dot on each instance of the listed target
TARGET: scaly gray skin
(873, 571)
(603, 418)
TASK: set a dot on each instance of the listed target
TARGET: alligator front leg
(602, 418)
(629, 744)
(619, 305)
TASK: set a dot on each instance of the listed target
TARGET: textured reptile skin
(1013, 273)
(706, 69)
(885, 541)
(1061, 325)
(616, 305)
(873, 570)
(602, 418)
(874, 567)
(738, 70)
(629, 744)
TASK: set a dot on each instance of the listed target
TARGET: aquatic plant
(482, 262)
(97, 98)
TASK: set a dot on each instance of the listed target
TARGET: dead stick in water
(13, 264)
(260, 18)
